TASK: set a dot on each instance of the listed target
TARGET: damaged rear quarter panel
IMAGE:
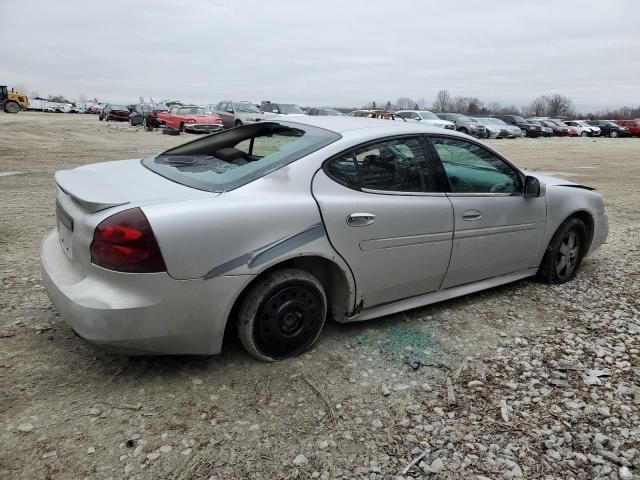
(246, 230)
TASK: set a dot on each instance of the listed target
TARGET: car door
(497, 229)
(221, 111)
(386, 213)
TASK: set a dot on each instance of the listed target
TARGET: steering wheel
(500, 187)
(462, 185)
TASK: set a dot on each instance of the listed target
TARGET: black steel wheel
(282, 315)
(564, 253)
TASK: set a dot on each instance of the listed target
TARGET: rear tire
(282, 315)
(565, 252)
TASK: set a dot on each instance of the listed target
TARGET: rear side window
(232, 158)
(395, 165)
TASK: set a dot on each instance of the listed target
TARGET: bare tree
(422, 103)
(559, 105)
(459, 104)
(474, 106)
(441, 103)
(82, 98)
(404, 103)
(538, 108)
(20, 87)
(494, 107)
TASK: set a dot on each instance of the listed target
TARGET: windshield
(497, 121)
(611, 123)
(232, 158)
(518, 119)
(290, 109)
(429, 116)
(461, 118)
(329, 112)
(113, 107)
(535, 122)
(245, 107)
(190, 111)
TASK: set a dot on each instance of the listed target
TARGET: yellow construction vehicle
(12, 102)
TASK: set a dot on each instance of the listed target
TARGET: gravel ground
(523, 381)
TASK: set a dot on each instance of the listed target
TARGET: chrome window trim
(413, 194)
(485, 194)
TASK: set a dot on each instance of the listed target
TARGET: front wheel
(564, 253)
(282, 315)
(584, 134)
(525, 132)
(11, 107)
(238, 123)
(613, 134)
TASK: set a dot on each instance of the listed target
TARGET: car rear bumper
(139, 313)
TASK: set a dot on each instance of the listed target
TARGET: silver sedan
(278, 225)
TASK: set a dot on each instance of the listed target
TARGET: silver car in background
(236, 114)
(425, 117)
(495, 124)
(278, 225)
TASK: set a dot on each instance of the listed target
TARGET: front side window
(473, 169)
(395, 165)
(232, 158)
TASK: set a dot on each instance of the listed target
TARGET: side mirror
(531, 187)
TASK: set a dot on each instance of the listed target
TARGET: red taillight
(125, 242)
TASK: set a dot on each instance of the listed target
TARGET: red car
(190, 118)
(632, 125)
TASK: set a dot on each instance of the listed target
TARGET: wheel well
(587, 219)
(330, 275)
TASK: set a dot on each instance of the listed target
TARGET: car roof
(344, 124)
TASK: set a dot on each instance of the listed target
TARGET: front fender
(564, 201)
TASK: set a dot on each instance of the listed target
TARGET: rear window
(232, 158)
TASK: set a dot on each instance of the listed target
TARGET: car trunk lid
(87, 195)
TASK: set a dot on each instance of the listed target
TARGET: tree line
(553, 105)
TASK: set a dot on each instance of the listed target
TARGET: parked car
(379, 114)
(559, 128)
(118, 113)
(513, 130)
(492, 130)
(147, 115)
(324, 112)
(282, 109)
(609, 128)
(426, 117)
(528, 129)
(278, 223)
(632, 125)
(190, 118)
(583, 129)
(546, 131)
(464, 124)
(236, 114)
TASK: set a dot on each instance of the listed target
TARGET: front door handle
(361, 219)
(471, 215)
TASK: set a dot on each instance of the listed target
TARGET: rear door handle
(361, 219)
(471, 215)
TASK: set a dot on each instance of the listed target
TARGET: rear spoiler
(88, 190)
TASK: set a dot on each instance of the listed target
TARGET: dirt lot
(352, 407)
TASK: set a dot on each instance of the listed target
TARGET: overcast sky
(324, 52)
